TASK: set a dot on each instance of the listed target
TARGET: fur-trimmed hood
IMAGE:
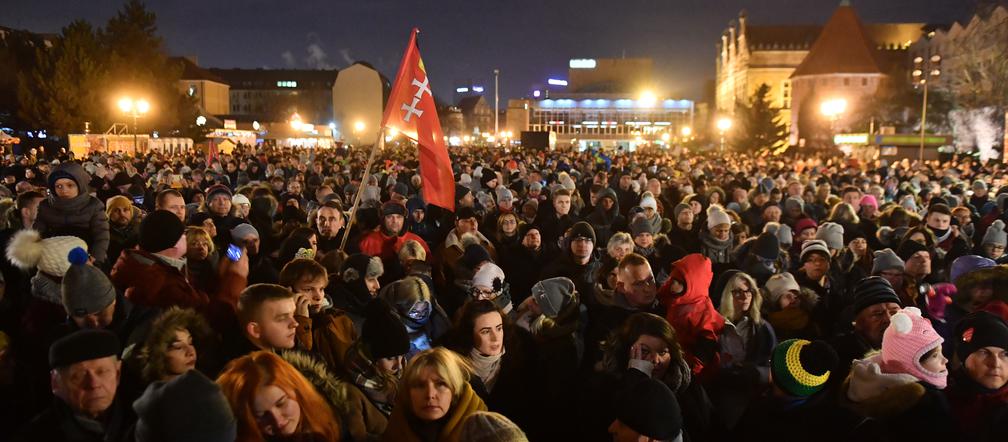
(871, 393)
(162, 334)
(315, 371)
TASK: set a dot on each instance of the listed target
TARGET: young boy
(322, 330)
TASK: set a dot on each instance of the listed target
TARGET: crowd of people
(567, 296)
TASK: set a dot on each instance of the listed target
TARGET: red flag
(412, 112)
(211, 151)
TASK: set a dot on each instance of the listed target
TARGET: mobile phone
(234, 253)
(138, 200)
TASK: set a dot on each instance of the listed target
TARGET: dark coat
(82, 216)
(58, 423)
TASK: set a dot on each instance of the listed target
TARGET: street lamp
(136, 109)
(686, 131)
(832, 109)
(648, 98)
(723, 124)
(923, 71)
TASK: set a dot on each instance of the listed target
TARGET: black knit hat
(852, 232)
(160, 230)
(488, 176)
(873, 290)
(474, 254)
(217, 188)
(649, 408)
(908, 248)
(582, 230)
(191, 398)
(466, 213)
(766, 246)
(83, 345)
(393, 208)
(383, 332)
(978, 330)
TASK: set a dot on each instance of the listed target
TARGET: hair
(244, 376)
(850, 189)
(561, 192)
(929, 237)
(500, 224)
(727, 308)
(412, 250)
(939, 208)
(632, 259)
(194, 233)
(463, 333)
(255, 295)
(617, 347)
(843, 213)
(159, 199)
(618, 239)
(162, 334)
(24, 198)
(301, 269)
(449, 366)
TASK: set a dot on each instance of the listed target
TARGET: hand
(301, 305)
(239, 267)
(636, 353)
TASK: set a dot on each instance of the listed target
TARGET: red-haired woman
(273, 401)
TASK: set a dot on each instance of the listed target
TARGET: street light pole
(924, 70)
(496, 101)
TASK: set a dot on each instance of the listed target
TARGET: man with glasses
(635, 291)
(814, 274)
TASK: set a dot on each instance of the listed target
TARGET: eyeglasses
(742, 293)
(484, 294)
(644, 284)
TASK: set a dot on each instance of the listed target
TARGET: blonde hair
(194, 233)
(448, 365)
(412, 250)
(727, 308)
(618, 239)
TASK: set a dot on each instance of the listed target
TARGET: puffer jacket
(82, 216)
(691, 313)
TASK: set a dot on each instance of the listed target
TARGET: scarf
(718, 251)
(791, 319)
(486, 367)
(178, 264)
(379, 388)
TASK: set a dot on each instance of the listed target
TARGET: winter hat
(466, 213)
(160, 230)
(504, 195)
(651, 409)
(489, 275)
(978, 330)
(780, 284)
(393, 208)
(117, 202)
(716, 216)
(800, 367)
(679, 208)
(831, 234)
(766, 185)
(908, 248)
(488, 176)
(474, 254)
(794, 203)
(979, 185)
(785, 236)
(873, 290)
(852, 232)
(886, 259)
(83, 345)
(487, 426)
(535, 187)
(359, 266)
(648, 201)
(244, 230)
(28, 250)
(640, 225)
(85, 288)
(553, 295)
(401, 188)
(383, 332)
(965, 265)
(813, 246)
(582, 230)
(766, 246)
(240, 199)
(804, 224)
(191, 398)
(908, 337)
(869, 200)
(996, 234)
(212, 191)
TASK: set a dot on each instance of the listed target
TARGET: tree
(64, 88)
(978, 71)
(759, 125)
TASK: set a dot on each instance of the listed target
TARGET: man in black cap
(85, 370)
(875, 302)
(576, 260)
(647, 411)
(978, 389)
(917, 269)
(386, 241)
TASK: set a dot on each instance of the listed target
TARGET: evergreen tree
(759, 125)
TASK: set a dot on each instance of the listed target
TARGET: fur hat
(832, 234)
(648, 200)
(83, 345)
(716, 216)
(800, 367)
(28, 250)
(908, 337)
(85, 288)
(393, 208)
(162, 333)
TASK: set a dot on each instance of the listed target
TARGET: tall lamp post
(136, 109)
(924, 70)
(496, 100)
(723, 124)
(832, 109)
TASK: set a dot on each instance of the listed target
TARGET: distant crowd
(568, 296)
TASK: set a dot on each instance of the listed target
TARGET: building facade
(277, 94)
(477, 115)
(211, 92)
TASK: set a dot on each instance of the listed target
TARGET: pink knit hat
(869, 200)
(908, 337)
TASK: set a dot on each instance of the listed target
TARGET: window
(786, 94)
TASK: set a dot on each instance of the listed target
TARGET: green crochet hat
(800, 367)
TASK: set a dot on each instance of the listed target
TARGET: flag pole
(380, 145)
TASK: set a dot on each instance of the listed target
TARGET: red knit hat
(908, 337)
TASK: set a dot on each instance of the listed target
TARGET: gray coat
(82, 216)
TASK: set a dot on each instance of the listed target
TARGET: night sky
(466, 39)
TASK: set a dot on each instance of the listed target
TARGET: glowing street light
(358, 126)
(296, 122)
(686, 131)
(723, 125)
(201, 121)
(648, 98)
(135, 108)
(833, 108)
(665, 137)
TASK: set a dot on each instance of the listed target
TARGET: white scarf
(486, 367)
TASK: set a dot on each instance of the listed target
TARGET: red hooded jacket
(691, 313)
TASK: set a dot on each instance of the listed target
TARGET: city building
(211, 92)
(477, 115)
(982, 37)
(358, 97)
(276, 94)
(607, 104)
(750, 55)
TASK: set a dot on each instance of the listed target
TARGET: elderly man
(875, 302)
(85, 372)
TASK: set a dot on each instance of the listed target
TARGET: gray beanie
(488, 426)
(794, 203)
(192, 399)
(995, 234)
(553, 295)
(832, 234)
(886, 259)
(678, 209)
(85, 288)
(244, 230)
(785, 235)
